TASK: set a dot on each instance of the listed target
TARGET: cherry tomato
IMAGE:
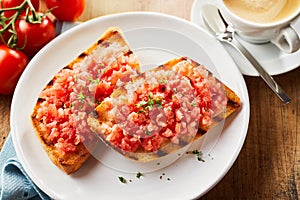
(66, 10)
(14, 3)
(12, 64)
(34, 36)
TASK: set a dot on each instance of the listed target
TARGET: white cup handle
(287, 40)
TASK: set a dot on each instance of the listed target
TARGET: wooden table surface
(269, 163)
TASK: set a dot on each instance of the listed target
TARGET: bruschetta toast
(162, 110)
(60, 114)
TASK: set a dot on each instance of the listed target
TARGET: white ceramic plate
(147, 33)
(270, 57)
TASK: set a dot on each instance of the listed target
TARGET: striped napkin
(15, 183)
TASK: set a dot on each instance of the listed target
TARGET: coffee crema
(263, 11)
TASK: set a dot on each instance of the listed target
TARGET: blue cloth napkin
(15, 183)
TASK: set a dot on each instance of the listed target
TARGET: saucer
(268, 55)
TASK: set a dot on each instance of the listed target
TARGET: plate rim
(86, 24)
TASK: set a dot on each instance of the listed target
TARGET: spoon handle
(262, 73)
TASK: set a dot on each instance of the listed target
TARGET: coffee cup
(263, 21)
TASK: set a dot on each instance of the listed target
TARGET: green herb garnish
(81, 97)
(91, 80)
(122, 179)
(159, 102)
(194, 104)
(97, 80)
(147, 105)
(199, 154)
(141, 104)
(75, 78)
(139, 174)
(164, 81)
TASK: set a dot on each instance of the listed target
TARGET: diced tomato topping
(74, 93)
(155, 113)
(164, 107)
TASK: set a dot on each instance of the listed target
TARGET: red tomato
(14, 3)
(34, 36)
(12, 64)
(66, 10)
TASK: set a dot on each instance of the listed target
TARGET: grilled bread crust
(70, 162)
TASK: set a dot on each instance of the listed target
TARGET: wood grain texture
(96, 8)
(5, 101)
(269, 163)
(268, 166)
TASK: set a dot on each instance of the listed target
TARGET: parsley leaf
(122, 179)
(81, 97)
(194, 104)
(147, 105)
(148, 132)
(163, 81)
(199, 154)
(139, 174)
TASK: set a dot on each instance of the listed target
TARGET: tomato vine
(8, 23)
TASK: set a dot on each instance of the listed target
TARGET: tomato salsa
(76, 91)
(156, 108)
(166, 105)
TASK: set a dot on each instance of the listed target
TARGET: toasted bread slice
(60, 113)
(163, 110)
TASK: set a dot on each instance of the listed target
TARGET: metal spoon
(225, 33)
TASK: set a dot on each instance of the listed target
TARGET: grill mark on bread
(95, 114)
(68, 67)
(40, 100)
(161, 153)
(104, 43)
(182, 143)
(233, 104)
(201, 131)
(218, 118)
(132, 157)
(50, 83)
(99, 42)
(82, 55)
(128, 53)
